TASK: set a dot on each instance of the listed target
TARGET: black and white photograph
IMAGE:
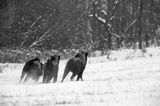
(79, 52)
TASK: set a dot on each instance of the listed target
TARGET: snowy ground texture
(128, 78)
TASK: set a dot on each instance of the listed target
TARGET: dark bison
(51, 69)
(32, 69)
(76, 65)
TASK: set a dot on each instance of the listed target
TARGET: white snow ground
(128, 78)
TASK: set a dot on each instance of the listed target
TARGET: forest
(65, 26)
(115, 44)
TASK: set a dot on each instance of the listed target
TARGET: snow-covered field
(128, 78)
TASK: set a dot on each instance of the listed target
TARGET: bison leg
(26, 79)
(55, 79)
(22, 76)
(80, 76)
(48, 79)
(73, 75)
(35, 78)
(45, 79)
(66, 71)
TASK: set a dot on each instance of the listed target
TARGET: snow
(100, 19)
(104, 12)
(127, 78)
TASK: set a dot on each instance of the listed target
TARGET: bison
(51, 69)
(32, 69)
(76, 65)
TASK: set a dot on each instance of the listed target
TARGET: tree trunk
(152, 18)
(146, 39)
(109, 34)
(109, 41)
(140, 23)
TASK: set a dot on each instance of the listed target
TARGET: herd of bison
(34, 68)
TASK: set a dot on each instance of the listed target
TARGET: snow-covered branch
(111, 18)
(42, 38)
(91, 15)
(104, 38)
(118, 36)
(130, 25)
(26, 34)
(115, 7)
(35, 21)
(104, 12)
(107, 21)
(100, 19)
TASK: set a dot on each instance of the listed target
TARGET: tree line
(79, 24)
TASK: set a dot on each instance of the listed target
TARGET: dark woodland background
(31, 28)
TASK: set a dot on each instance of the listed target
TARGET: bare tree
(107, 21)
(140, 15)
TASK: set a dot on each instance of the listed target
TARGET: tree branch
(115, 7)
(130, 25)
(26, 34)
(42, 38)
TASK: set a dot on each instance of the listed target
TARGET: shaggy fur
(32, 69)
(51, 69)
(76, 65)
